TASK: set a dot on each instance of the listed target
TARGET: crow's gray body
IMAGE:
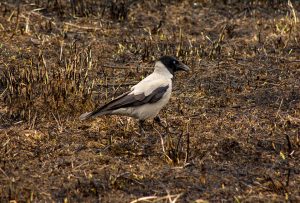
(145, 99)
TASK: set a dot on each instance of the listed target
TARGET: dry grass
(234, 121)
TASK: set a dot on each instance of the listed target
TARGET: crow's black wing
(128, 100)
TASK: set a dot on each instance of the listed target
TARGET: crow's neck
(161, 69)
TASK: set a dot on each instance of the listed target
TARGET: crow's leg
(157, 119)
(160, 123)
(141, 127)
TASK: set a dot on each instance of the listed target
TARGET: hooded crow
(145, 99)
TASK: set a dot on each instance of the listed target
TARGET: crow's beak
(183, 67)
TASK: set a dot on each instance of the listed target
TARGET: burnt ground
(233, 121)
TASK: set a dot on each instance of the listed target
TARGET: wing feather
(128, 99)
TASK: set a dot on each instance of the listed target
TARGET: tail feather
(85, 116)
(92, 114)
(105, 109)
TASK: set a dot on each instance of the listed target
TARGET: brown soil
(233, 121)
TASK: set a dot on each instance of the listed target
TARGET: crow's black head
(173, 65)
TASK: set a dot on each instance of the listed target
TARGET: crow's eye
(175, 62)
